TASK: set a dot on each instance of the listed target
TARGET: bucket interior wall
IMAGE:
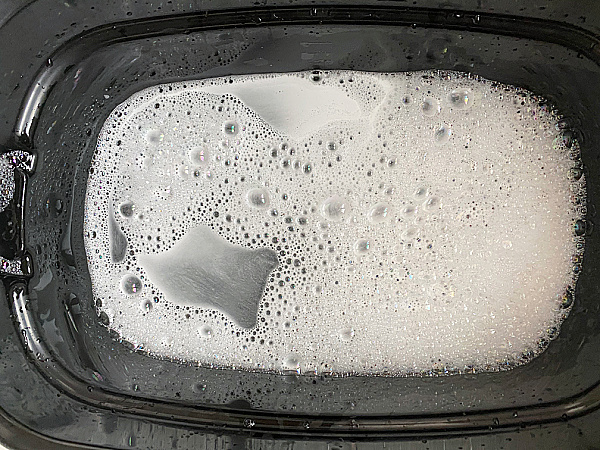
(92, 81)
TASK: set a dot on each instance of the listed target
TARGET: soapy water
(338, 222)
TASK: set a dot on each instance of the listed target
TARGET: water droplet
(231, 128)
(430, 106)
(199, 156)
(362, 246)
(379, 213)
(460, 99)
(154, 137)
(127, 209)
(258, 198)
(130, 285)
(199, 387)
(442, 135)
(205, 331)
(334, 208)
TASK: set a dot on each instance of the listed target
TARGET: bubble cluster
(341, 222)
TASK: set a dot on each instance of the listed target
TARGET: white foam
(420, 222)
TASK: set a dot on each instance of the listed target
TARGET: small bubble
(575, 173)
(389, 191)
(130, 285)
(231, 128)
(410, 233)
(567, 300)
(331, 146)
(286, 163)
(567, 138)
(291, 362)
(430, 106)
(205, 331)
(460, 99)
(258, 198)
(362, 246)
(432, 203)
(334, 208)
(379, 213)
(420, 192)
(154, 137)
(579, 228)
(407, 100)
(392, 162)
(307, 168)
(347, 334)
(442, 135)
(127, 209)
(199, 156)
(147, 305)
(409, 210)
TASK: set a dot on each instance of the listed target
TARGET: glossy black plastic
(57, 337)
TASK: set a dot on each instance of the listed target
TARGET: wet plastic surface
(63, 372)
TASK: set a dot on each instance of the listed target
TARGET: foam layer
(344, 222)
